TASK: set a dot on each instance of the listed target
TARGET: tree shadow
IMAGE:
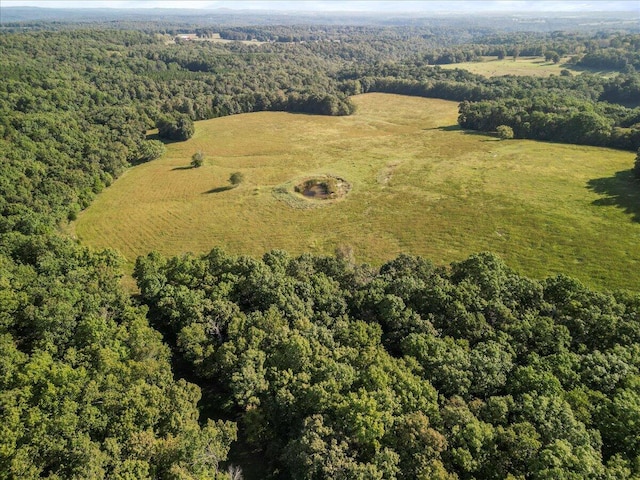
(458, 128)
(447, 128)
(185, 167)
(166, 141)
(622, 191)
(219, 189)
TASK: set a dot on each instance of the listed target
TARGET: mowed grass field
(530, 66)
(419, 185)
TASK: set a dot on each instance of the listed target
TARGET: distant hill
(509, 21)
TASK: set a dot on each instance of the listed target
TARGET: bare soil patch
(323, 188)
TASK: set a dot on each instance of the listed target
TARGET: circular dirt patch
(325, 187)
(312, 192)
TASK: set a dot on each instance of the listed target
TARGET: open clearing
(418, 185)
(215, 38)
(530, 66)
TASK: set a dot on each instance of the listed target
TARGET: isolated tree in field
(197, 159)
(505, 132)
(236, 178)
(636, 166)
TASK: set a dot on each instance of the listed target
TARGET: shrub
(505, 132)
(236, 178)
(197, 159)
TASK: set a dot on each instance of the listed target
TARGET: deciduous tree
(197, 159)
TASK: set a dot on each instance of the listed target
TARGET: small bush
(236, 178)
(505, 132)
(197, 159)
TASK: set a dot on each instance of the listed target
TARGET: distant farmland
(532, 66)
(418, 185)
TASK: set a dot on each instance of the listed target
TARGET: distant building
(185, 37)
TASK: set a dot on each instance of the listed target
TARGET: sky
(522, 6)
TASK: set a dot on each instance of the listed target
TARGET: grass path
(419, 185)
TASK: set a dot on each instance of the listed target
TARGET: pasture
(418, 184)
(523, 66)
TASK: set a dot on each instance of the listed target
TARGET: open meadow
(418, 183)
(530, 66)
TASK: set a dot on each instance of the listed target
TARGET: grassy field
(531, 66)
(215, 38)
(419, 185)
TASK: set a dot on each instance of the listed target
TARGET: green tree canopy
(197, 159)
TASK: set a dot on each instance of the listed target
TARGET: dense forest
(318, 366)
(337, 370)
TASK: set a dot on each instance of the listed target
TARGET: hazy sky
(348, 5)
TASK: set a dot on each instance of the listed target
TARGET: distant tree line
(551, 118)
(617, 52)
(583, 109)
